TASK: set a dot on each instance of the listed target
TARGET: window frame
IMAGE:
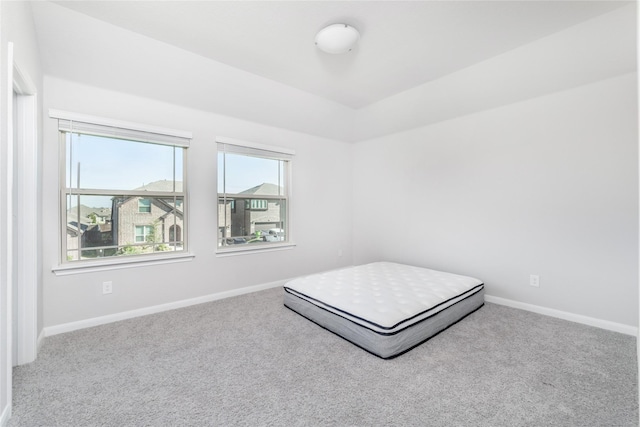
(235, 146)
(144, 235)
(144, 205)
(74, 123)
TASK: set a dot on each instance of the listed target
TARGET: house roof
(266, 189)
(162, 185)
(85, 211)
(104, 228)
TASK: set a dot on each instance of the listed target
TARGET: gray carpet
(250, 361)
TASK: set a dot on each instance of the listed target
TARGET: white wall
(599, 48)
(5, 245)
(153, 83)
(17, 28)
(321, 178)
(547, 186)
(79, 48)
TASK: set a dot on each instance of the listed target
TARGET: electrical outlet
(534, 280)
(339, 252)
(107, 287)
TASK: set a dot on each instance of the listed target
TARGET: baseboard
(6, 414)
(102, 320)
(586, 320)
(40, 341)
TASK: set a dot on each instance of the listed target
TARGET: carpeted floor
(250, 361)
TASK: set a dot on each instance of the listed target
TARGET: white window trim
(246, 144)
(117, 263)
(238, 146)
(121, 129)
(79, 119)
(244, 250)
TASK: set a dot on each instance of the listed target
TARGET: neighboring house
(224, 218)
(72, 235)
(98, 215)
(242, 217)
(98, 235)
(94, 227)
(90, 215)
(137, 220)
(252, 215)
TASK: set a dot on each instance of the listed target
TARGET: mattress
(385, 308)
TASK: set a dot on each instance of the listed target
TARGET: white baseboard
(6, 414)
(40, 341)
(102, 320)
(586, 320)
(96, 321)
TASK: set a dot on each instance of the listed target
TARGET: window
(144, 233)
(133, 176)
(144, 205)
(253, 195)
(256, 205)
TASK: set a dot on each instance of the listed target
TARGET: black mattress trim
(393, 356)
(465, 295)
(368, 328)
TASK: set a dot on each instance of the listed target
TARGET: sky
(245, 172)
(136, 164)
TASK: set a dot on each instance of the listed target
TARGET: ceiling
(403, 43)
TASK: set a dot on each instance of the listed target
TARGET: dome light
(337, 38)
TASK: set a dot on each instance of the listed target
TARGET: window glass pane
(89, 225)
(250, 175)
(221, 181)
(144, 205)
(239, 224)
(170, 224)
(113, 226)
(164, 228)
(95, 162)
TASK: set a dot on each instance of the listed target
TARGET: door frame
(27, 224)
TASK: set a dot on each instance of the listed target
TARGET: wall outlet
(534, 280)
(107, 287)
(339, 252)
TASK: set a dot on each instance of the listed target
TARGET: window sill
(253, 250)
(90, 267)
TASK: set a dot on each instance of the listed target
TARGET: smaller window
(144, 233)
(255, 205)
(253, 195)
(144, 205)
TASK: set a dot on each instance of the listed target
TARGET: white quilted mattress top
(384, 296)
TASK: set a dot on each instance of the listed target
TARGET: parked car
(275, 234)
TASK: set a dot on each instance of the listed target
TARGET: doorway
(25, 229)
(13, 238)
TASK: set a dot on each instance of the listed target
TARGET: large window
(253, 195)
(122, 189)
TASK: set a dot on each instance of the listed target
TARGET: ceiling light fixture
(337, 38)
